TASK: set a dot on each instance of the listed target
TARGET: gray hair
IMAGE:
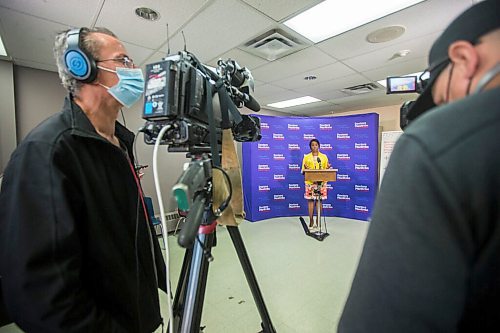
(89, 45)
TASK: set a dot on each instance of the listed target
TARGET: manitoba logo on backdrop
(361, 124)
(325, 146)
(293, 146)
(293, 127)
(325, 127)
(263, 167)
(343, 136)
(343, 177)
(327, 206)
(278, 157)
(278, 177)
(293, 187)
(264, 188)
(361, 167)
(362, 188)
(343, 197)
(343, 157)
(362, 146)
(263, 146)
(361, 209)
(308, 136)
(279, 197)
(264, 126)
(278, 136)
(264, 209)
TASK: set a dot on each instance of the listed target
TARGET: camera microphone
(319, 162)
(251, 103)
(247, 100)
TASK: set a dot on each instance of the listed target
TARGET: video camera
(181, 93)
(404, 85)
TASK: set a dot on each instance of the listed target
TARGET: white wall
(388, 116)
(39, 94)
(7, 113)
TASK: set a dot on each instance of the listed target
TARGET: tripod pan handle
(193, 222)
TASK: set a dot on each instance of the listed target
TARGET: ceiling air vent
(361, 89)
(273, 45)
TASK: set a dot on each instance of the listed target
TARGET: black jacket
(75, 244)
(431, 260)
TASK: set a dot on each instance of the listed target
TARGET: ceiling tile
(336, 84)
(244, 59)
(419, 47)
(402, 68)
(80, 15)
(222, 26)
(38, 49)
(422, 19)
(298, 62)
(280, 9)
(325, 73)
(119, 16)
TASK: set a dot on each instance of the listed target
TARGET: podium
(318, 176)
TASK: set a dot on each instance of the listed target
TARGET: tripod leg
(267, 325)
(195, 292)
(180, 293)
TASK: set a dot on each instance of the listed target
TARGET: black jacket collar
(81, 125)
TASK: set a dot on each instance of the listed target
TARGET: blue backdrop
(273, 185)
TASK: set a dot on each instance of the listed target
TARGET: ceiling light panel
(331, 18)
(294, 102)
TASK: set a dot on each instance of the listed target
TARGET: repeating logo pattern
(273, 184)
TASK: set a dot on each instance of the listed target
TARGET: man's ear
(464, 57)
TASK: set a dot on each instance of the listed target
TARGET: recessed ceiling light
(147, 13)
(332, 17)
(294, 102)
(310, 77)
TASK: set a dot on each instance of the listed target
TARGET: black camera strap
(227, 105)
(211, 123)
(219, 86)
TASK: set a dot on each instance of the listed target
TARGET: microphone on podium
(319, 162)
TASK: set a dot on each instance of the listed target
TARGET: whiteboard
(388, 141)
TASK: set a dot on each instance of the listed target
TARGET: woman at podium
(314, 160)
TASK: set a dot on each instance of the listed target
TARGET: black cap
(475, 22)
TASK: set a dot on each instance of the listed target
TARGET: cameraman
(431, 257)
(78, 253)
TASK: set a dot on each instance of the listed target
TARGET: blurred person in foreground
(431, 260)
(77, 250)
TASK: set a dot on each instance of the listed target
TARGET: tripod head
(193, 193)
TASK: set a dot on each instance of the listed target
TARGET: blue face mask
(130, 87)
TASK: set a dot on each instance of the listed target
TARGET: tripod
(190, 293)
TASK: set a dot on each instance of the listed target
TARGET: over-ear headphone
(79, 63)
